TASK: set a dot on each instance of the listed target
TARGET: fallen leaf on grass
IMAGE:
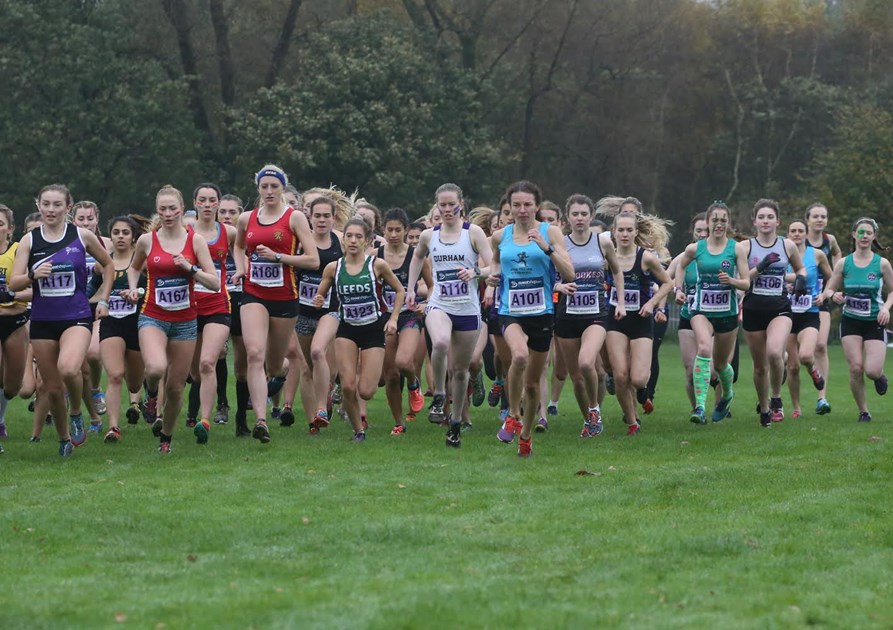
(400, 485)
(120, 483)
(587, 473)
(311, 472)
(29, 529)
(120, 617)
(874, 438)
(684, 442)
(611, 468)
(192, 557)
(305, 520)
(278, 589)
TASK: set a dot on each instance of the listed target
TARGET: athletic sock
(4, 401)
(242, 396)
(222, 376)
(726, 378)
(701, 380)
(194, 399)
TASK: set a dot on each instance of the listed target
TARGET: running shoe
(817, 379)
(416, 400)
(776, 410)
(453, 435)
(609, 384)
(164, 448)
(410, 417)
(796, 413)
(275, 413)
(495, 394)
(133, 413)
(541, 426)
(503, 414)
(99, 402)
(593, 424)
(398, 429)
(864, 417)
(435, 409)
(31, 405)
(336, 394)
(201, 432)
(66, 448)
(525, 447)
(359, 437)
(721, 410)
(287, 417)
(34, 439)
(242, 429)
(150, 409)
(478, 394)
(113, 436)
(156, 427)
(698, 416)
(95, 427)
(466, 426)
(509, 429)
(261, 432)
(76, 427)
(274, 385)
(222, 416)
(880, 385)
(552, 410)
(429, 392)
(822, 407)
(191, 421)
(3, 432)
(321, 419)
(633, 429)
(648, 406)
(364, 423)
(765, 419)
(1, 449)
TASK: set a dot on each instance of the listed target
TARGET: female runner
(270, 236)
(400, 349)
(360, 343)
(582, 311)
(175, 257)
(766, 312)
(805, 322)
(816, 222)
(213, 306)
(119, 343)
(859, 282)
(629, 339)
(526, 257)
(720, 269)
(52, 259)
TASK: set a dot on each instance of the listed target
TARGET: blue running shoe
(76, 427)
(95, 427)
(721, 411)
(822, 407)
(66, 448)
(697, 416)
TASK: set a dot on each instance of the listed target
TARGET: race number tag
(527, 296)
(200, 288)
(265, 273)
(584, 301)
(119, 307)
(768, 285)
(390, 299)
(715, 300)
(308, 287)
(801, 303)
(859, 307)
(230, 272)
(172, 294)
(60, 282)
(360, 313)
(630, 298)
(450, 289)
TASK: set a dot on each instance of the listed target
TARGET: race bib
(715, 300)
(768, 285)
(200, 288)
(450, 289)
(266, 274)
(583, 302)
(360, 313)
(527, 296)
(801, 303)
(172, 294)
(308, 287)
(860, 307)
(390, 299)
(60, 282)
(119, 307)
(630, 298)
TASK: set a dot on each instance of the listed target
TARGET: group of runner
(319, 293)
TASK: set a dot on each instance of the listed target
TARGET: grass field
(724, 526)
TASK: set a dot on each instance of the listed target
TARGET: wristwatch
(195, 269)
(550, 251)
(278, 257)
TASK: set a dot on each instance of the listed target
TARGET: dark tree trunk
(283, 43)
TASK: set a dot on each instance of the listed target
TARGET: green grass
(727, 525)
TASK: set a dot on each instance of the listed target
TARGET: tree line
(676, 102)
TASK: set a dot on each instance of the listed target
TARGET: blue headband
(271, 173)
